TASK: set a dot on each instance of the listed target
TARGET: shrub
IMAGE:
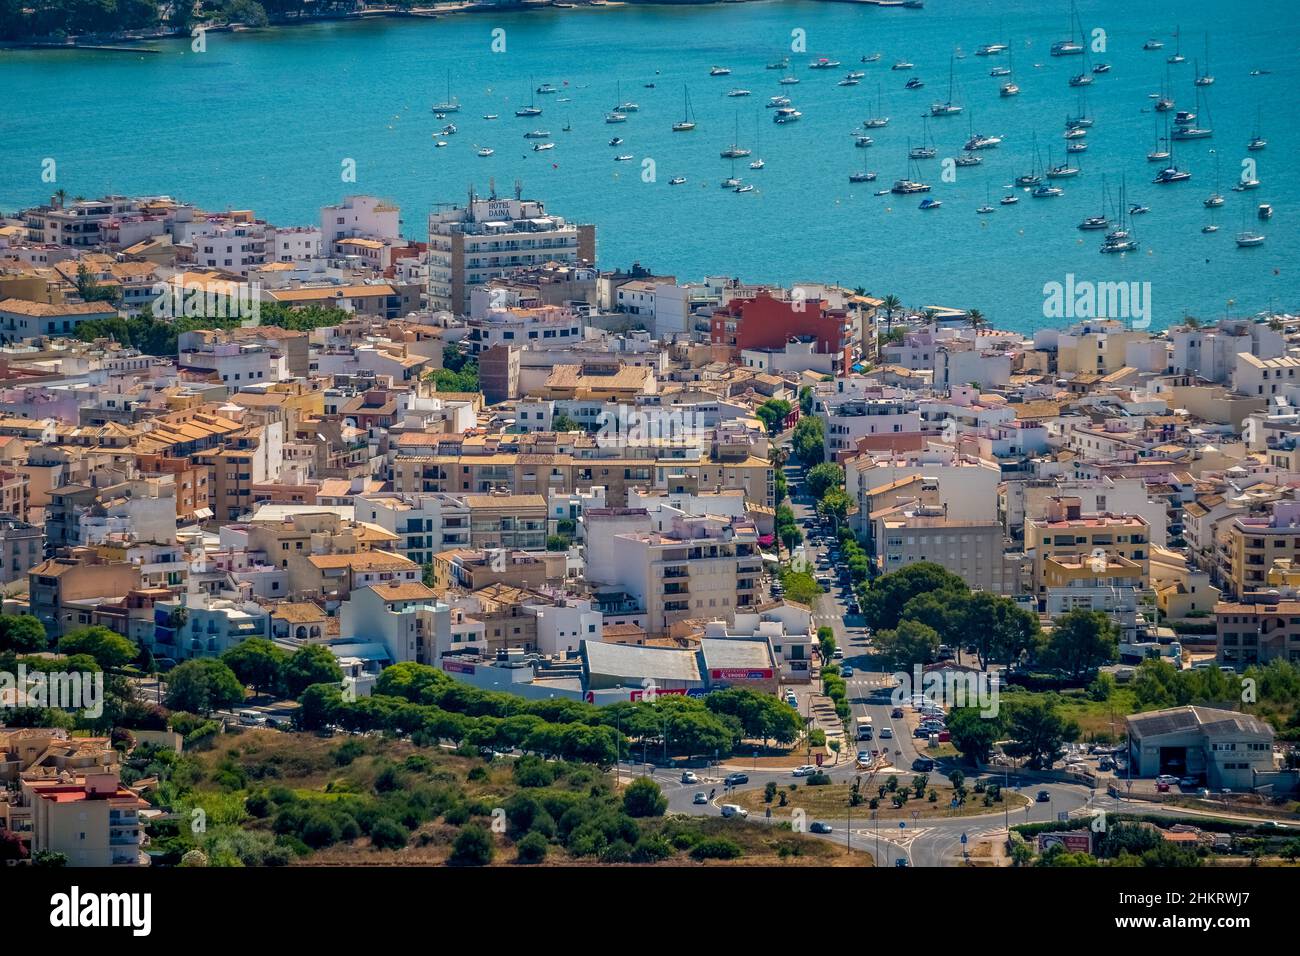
(643, 798)
(716, 848)
(651, 849)
(472, 847)
(388, 834)
(531, 849)
(319, 830)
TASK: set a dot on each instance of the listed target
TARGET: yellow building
(1065, 532)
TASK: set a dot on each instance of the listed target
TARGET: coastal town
(481, 529)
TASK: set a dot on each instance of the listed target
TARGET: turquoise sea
(265, 121)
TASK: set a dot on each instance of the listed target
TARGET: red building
(765, 322)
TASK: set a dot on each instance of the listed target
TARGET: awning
(202, 514)
(767, 556)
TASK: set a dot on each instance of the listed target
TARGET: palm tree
(976, 318)
(891, 304)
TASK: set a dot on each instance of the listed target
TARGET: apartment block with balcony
(513, 522)
(491, 238)
(1253, 544)
(404, 616)
(1066, 532)
(698, 567)
(92, 819)
(1263, 626)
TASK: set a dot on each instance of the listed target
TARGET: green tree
(256, 662)
(773, 413)
(910, 643)
(312, 664)
(822, 478)
(1038, 732)
(835, 503)
(808, 441)
(974, 734)
(890, 592)
(997, 628)
(643, 798)
(1081, 641)
(203, 685)
(561, 422)
(21, 634)
(109, 648)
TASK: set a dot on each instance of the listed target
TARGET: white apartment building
(293, 244)
(1211, 353)
(232, 247)
(404, 616)
(797, 355)
(703, 567)
(967, 485)
(237, 364)
(561, 628)
(362, 217)
(1021, 500)
(490, 238)
(1265, 377)
(853, 418)
(961, 366)
(425, 524)
(540, 328)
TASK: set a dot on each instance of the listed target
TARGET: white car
(1168, 778)
(806, 770)
(886, 733)
(734, 810)
(690, 777)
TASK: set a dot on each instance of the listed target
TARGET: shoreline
(134, 42)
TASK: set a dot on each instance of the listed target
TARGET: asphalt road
(922, 842)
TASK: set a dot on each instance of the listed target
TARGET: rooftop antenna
(519, 190)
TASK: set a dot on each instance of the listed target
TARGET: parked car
(1167, 778)
(1188, 782)
(734, 810)
(700, 797)
(818, 827)
(252, 718)
(735, 779)
(1106, 763)
(1162, 788)
(689, 776)
(1043, 796)
(921, 732)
